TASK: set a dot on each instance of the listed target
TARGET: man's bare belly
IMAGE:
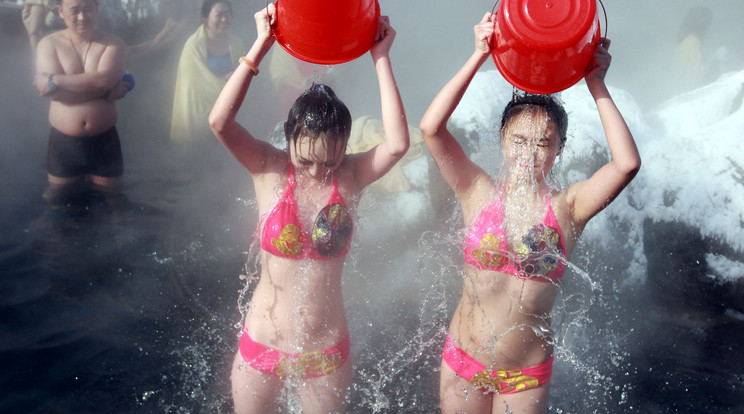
(83, 119)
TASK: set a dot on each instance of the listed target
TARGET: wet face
(79, 15)
(316, 158)
(218, 20)
(531, 143)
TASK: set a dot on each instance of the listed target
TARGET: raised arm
(376, 162)
(589, 197)
(460, 173)
(165, 38)
(249, 151)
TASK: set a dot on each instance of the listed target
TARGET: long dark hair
(318, 111)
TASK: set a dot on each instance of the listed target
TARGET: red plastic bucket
(544, 46)
(326, 31)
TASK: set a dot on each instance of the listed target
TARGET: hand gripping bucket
(326, 32)
(544, 46)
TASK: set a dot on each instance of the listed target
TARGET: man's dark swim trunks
(74, 156)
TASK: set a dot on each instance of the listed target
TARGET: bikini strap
(550, 216)
(336, 197)
(291, 176)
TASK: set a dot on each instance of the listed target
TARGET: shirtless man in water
(79, 69)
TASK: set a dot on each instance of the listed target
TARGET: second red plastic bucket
(326, 31)
(544, 46)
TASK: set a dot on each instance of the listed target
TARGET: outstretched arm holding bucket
(379, 160)
(589, 197)
(458, 170)
(520, 232)
(248, 150)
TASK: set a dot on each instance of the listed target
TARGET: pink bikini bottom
(284, 364)
(500, 381)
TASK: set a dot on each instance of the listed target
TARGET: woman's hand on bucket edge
(384, 39)
(597, 69)
(265, 18)
(484, 31)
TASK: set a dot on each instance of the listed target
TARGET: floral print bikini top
(539, 256)
(330, 236)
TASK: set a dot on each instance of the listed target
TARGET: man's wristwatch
(50, 83)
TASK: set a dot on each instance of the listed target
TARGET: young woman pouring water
(296, 329)
(520, 231)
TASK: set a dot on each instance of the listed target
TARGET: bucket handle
(604, 11)
(495, 5)
(492, 43)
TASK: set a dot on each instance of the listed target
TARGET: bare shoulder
(346, 173)
(109, 39)
(277, 163)
(47, 53)
(480, 194)
(566, 198)
(562, 203)
(268, 182)
(52, 39)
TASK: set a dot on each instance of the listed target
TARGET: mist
(168, 270)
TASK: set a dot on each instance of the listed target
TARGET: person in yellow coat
(207, 61)
(688, 69)
(35, 15)
(368, 132)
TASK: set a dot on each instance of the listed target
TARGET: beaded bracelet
(250, 64)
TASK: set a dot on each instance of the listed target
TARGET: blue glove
(129, 79)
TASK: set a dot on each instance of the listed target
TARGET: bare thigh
(457, 395)
(53, 179)
(329, 393)
(107, 182)
(256, 392)
(252, 390)
(534, 401)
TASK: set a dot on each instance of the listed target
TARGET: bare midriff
(504, 321)
(298, 305)
(83, 119)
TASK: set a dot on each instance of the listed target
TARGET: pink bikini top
(539, 256)
(330, 236)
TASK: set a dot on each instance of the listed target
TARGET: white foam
(725, 269)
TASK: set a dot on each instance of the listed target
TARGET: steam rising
(197, 215)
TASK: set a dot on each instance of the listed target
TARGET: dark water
(128, 305)
(114, 304)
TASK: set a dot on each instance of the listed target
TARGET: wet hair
(209, 4)
(522, 102)
(318, 111)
